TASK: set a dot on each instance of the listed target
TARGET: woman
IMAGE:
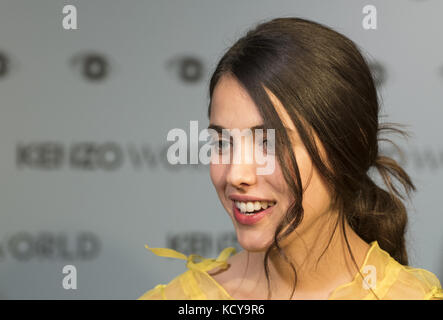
(317, 227)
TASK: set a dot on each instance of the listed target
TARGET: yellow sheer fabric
(383, 278)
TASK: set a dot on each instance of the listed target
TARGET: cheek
(278, 183)
(216, 172)
(316, 197)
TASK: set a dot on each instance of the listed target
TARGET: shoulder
(416, 283)
(157, 293)
(190, 285)
(390, 280)
(408, 283)
(193, 284)
(171, 291)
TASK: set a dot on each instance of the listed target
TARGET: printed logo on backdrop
(113, 156)
(93, 156)
(94, 67)
(429, 158)
(188, 68)
(205, 244)
(379, 73)
(4, 64)
(50, 245)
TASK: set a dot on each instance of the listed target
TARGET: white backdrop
(84, 177)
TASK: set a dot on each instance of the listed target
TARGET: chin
(253, 241)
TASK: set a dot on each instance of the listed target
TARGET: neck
(320, 267)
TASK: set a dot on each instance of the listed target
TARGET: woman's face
(237, 183)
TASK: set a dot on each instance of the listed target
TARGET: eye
(220, 145)
(262, 145)
(266, 146)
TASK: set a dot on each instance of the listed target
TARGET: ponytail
(380, 214)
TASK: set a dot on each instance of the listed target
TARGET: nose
(242, 175)
(242, 172)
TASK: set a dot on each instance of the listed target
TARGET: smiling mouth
(253, 207)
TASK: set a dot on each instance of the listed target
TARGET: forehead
(231, 105)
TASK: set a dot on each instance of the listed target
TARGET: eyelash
(218, 144)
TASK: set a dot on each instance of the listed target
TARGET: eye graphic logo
(4, 64)
(94, 66)
(378, 73)
(190, 69)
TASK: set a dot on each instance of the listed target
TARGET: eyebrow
(220, 128)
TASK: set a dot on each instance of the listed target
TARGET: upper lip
(245, 198)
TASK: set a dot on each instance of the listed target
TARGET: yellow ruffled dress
(393, 281)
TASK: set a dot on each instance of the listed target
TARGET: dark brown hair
(322, 80)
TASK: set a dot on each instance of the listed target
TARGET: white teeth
(250, 206)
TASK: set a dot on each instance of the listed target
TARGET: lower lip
(250, 219)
